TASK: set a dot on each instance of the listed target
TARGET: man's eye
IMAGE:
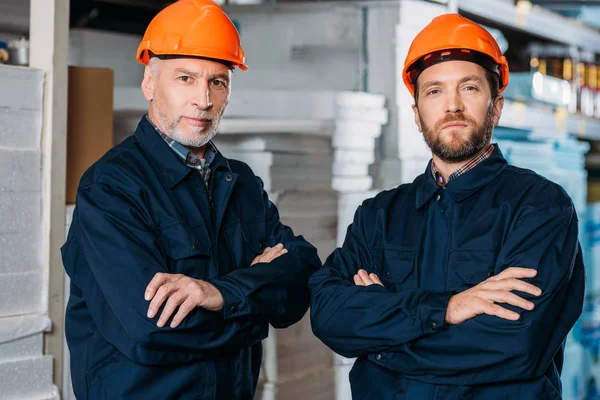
(185, 78)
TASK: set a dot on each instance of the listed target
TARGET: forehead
(451, 71)
(195, 65)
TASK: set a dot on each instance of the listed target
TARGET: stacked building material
(25, 373)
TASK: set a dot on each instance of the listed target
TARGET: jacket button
(233, 308)
(378, 357)
(387, 274)
(433, 325)
(229, 178)
(438, 197)
(195, 246)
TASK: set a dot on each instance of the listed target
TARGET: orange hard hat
(196, 28)
(452, 37)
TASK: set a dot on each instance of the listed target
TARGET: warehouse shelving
(535, 20)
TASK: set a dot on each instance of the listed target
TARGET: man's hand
(365, 279)
(183, 292)
(269, 254)
(482, 299)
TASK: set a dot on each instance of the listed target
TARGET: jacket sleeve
(275, 292)
(356, 320)
(488, 349)
(119, 255)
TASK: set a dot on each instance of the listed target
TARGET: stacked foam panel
(24, 372)
(359, 120)
(296, 170)
(347, 206)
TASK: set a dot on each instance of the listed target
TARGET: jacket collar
(463, 186)
(170, 165)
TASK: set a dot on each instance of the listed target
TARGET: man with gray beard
(177, 258)
(465, 283)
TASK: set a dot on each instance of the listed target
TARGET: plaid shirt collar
(439, 179)
(190, 159)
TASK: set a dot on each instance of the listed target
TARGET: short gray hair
(154, 65)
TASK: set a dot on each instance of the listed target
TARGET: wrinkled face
(455, 110)
(187, 97)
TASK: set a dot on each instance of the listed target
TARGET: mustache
(456, 117)
(200, 115)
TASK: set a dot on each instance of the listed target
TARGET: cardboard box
(593, 190)
(90, 121)
(316, 385)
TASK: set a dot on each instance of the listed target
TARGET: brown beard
(480, 136)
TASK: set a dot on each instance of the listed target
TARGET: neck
(446, 168)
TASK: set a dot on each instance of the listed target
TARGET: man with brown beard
(465, 283)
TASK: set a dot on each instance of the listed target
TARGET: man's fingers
(516, 272)
(157, 281)
(375, 279)
(358, 281)
(270, 253)
(510, 298)
(365, 277)
(173, 302)
(498, 311)
(159, 298)
(184, 309)
(515, 284)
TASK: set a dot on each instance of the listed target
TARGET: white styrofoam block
(20, 211)
(351, 183)
(342, 381)
(351, 200)
(316, 127)
(411, 147)
(350, 169)
(21, 293)
(21, 129)
(22, 88)
(315, 229)
(95, 48)
(29, 378)
(26, 347)
(285, 104)
(359, 100)
(357, 128)
(347, 206)
(300, 183)
(21, 326)
(418, 14)
(69, 214)
(296, 204)
(350, 156)
(20, 252)
(276, 143)
(377, 115)
(361, 143)
(20, 170)
(411, 168)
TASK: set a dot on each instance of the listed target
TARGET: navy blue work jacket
(140, 211)
(428, 243)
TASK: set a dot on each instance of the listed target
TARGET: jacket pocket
(398, 270)
(246, 240)
(188, 249)
(469, 268)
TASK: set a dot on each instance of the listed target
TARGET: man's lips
(197, 121)
(455, 124)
